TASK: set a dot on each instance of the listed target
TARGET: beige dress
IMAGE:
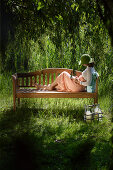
(65, 83)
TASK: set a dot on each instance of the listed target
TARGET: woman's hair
(90, 64)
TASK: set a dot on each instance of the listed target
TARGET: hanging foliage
(74, 27)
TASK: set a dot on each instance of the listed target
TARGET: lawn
(51, 134)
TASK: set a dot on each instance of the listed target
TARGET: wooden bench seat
(23, 86)
(34, 93)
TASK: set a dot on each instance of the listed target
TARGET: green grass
(50, 134)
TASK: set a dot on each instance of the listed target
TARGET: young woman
(64, 82)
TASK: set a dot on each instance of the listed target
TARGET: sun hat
(86, 59)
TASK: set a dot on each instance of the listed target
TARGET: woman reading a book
(66, 82)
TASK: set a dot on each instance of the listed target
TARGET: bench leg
(96, 100)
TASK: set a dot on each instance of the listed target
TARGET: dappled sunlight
(52, 134)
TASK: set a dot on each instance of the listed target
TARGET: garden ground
(52, 134)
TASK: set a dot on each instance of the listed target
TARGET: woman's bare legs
(49, 87)
(62, 83)
(59, 80)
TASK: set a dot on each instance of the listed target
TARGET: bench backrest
(45, 76)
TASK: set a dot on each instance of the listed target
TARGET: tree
(33, 18)
(105, 9)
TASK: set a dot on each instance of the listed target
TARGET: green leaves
(40, 5)
(76, 23)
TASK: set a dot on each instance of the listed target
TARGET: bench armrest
(14, 76)
(78, 73)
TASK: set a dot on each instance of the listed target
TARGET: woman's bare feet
(48, 87)
(39, 86)
(43, 87)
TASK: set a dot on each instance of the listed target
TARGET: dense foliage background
(37, 34)
(40, 34)
(45, 31)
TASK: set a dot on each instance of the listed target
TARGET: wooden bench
(23, 86)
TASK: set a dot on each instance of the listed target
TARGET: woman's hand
(81, 78)
(77, 81)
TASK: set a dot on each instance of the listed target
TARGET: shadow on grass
(29, 142)
(19, 147)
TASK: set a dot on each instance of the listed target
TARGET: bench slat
(56, 75)
(18, 82)
(39, 79)
(47, 78)
(28, 74)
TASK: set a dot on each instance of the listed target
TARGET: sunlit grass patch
(53, 141)
(52, 134)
